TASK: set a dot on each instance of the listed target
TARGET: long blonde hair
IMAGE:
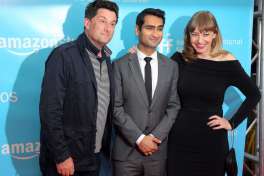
(204, 21)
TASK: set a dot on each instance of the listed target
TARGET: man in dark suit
(77, 98)
(146, 102)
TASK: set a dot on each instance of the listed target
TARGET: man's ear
(87, 23)
(137, 31)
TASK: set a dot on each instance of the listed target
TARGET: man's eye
(160, 29)
(102, 21)
(149, 27)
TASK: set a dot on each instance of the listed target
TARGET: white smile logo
(28, 45)
(21, 151)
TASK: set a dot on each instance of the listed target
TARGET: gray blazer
(132, 114)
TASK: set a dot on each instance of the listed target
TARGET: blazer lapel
(85, 56)
(161, 76)
(89, 65)
(134, 66)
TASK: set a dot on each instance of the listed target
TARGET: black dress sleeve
(242, 81)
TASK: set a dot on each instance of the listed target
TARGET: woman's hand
(216, 123)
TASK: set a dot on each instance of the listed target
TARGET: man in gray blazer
(146, 102)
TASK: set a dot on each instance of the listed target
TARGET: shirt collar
(141, 55)
(93, 49)
(90, 46)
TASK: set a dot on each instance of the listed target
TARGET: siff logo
(6, 97)
(21, 151)
(166, 44)
(28, 45)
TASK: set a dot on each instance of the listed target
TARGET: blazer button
(146, 129)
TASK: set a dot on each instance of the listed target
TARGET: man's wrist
(140, 138)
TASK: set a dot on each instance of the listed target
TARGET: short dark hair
(91, 8)
(149, 11)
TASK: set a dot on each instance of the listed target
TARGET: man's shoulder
(66, 46)
(162, 56)
(61, 52)
(165, 59)
(125, 58)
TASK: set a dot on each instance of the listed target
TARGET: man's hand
(156, 140)
(149, 145)
(66, 168)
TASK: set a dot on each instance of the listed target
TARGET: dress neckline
(214, 61)
(215, 66)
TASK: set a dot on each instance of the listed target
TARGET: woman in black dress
(198, 141)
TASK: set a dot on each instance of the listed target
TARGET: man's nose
(108, 27)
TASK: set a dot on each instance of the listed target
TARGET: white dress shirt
(154, 75)
(154, 67)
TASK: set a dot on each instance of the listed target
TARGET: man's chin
(154, 46)
(104, 42)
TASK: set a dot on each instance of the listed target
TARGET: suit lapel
(161, 76)
(137, 75)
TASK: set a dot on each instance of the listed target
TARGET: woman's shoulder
(229, 63)
(227, 56)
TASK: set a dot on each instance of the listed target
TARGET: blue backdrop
(30, 29)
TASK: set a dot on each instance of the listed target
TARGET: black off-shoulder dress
(194, 149)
